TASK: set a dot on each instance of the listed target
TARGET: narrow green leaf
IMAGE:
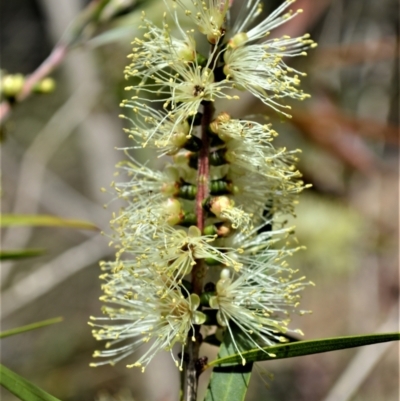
(30, 327)
(301, 348)
(230, 384)
(14, 220)
(20, 253)
(22, 388)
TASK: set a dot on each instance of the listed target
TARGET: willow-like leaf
(30, 327)
(20, 253)
(301, 348)
(14, 220)
(22, 388)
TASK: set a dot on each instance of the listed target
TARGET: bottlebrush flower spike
(260, 67)
(217, 208)
(149, 309)
(257, 300)
(209, 16)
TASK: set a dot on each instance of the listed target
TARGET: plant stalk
(191, 369)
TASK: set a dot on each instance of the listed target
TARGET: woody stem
(198, 272)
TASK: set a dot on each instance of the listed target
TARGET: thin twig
(48, 65)
(71, 36)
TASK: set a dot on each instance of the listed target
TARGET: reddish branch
(203, 165)
(48, 65)
(193, 347)
(202, 188)
(74, 33)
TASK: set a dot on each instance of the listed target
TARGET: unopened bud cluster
(11, 85)
(204, 234)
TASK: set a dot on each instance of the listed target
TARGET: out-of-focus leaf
(116, 8)
(230, 384)
(125, 27)
(86, 20)
(301, 348)
(20, 253)
(13, 220)
(22, 388)
(30, 327)
(113, 35)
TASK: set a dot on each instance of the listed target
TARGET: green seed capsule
(216, 141)
(210, 230)
(201, 60)
(209, 287)
(187, 191)
(206, 204)
(205, 298)
(188, 219)
(220, 187)
(193, 144)
(217, 158)
(212, 262)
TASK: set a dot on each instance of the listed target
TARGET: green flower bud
(46, 85)
(12, 85)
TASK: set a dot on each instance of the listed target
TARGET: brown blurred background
(59, 149)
